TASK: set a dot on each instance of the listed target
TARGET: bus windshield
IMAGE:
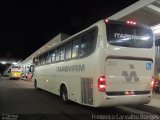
(129, 36)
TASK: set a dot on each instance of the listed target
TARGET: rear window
(129, 36)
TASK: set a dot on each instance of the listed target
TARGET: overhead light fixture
(14, 63)
(156, 29)
(3, 62)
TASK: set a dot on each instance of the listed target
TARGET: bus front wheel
(35, 85)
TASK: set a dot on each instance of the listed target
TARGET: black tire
(64, 94)
(35, 85)
(157, 90)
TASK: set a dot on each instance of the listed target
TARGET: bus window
(57, 54)
(53, 56)
(68, 50)
(62, 53)
(49, 57)
(41, 59)
(75, 48)
(38, 61)
(45, 58)
(129, 36)
(87, 43)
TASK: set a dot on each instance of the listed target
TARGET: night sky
(25, 26)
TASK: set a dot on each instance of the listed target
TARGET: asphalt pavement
(20, 101)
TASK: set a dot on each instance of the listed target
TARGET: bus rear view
(129, 63)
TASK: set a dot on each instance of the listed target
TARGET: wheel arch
(60, 89)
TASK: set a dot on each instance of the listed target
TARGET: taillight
(152, 82)
(102, 84)
(106, 20)
(131, 22)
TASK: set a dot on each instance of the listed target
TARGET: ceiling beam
(130, 9)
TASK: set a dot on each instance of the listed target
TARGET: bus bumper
(108, 101)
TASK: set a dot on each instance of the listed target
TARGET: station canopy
(143, 11)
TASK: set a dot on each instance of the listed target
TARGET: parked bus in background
(15, 72)
(109, 63)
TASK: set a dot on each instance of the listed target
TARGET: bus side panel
(79, 80)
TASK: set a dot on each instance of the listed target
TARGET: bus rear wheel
(64, 94)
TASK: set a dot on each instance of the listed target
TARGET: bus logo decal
(73, 68)
(133, 74)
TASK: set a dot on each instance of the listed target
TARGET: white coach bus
(108, 64)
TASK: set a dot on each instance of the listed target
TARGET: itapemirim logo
(132, 74)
